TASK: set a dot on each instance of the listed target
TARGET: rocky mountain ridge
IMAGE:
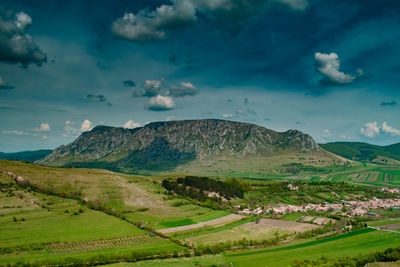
(166, 145)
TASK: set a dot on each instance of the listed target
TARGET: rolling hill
(26, 155)
(195, 146)
(365, 152)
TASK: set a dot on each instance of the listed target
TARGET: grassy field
(362, 241)
(138, 198)
(207, 260)
(260, 230)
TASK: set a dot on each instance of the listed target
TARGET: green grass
(384, 222)
(177, 223)
(45, 258)
(362, 241)
(207, 260)
(292, 216)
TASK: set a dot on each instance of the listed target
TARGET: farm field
(373, 175)
(216, 222)
(261, 230)
(137, 198)
(362, 241)
(207, 260)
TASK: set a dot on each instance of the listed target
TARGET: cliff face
(170, 144)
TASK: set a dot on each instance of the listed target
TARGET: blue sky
(330, 68)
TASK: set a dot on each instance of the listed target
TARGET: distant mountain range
(26, 155)
(195, 146)
(365, 152)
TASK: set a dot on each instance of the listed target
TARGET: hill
(196, 146)
(365, 152)
(26, 155)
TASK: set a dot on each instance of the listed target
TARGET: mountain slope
(26, 155)
(365, 151)
(197, 146)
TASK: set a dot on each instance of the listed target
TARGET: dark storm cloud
(389, 103)
(150, 25)
(129, 83)
(17, 46)
(150, 88)
(183, 89)
(100, 98)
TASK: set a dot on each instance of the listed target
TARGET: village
(347, 208)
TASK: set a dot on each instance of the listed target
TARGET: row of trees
(228, 189)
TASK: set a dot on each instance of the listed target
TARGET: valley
(93, 216)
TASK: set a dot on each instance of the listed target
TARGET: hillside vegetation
(26, 155)
(365, 152)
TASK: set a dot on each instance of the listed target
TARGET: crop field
(68, 247)
(220, 221)
(362, 241)
(39, 227)
(371, 175)
(207, 260)
(260, 230)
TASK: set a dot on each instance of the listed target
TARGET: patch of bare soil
(390, 226)
(281, 224)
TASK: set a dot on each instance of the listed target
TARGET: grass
(362, 241)
(45, 258)
(181, 222)
(53, 219)
(380, 223)
(207, 260)
(292, 216)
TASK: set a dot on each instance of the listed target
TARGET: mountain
(365, 152)
(26, 155)
(195, 146)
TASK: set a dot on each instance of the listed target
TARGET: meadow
(89, 216)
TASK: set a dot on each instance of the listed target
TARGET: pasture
(362, 241)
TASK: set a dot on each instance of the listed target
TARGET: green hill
(26, 155)
(364, 151)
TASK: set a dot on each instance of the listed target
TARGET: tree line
(197, 185)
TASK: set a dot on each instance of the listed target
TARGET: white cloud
(328, 65)
(70, 129)
(227, 115)
(326, 133)
(161, 103)
(15, 44)
(371, 129)
(131, 124)
(16, 132)
(184, 89)
(86, 125)
(170, 118)
(390, 130)
(151, 88)
(44, 127)
(153, 25)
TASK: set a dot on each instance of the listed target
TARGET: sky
(330, 68)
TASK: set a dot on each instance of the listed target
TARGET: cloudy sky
(330, 68)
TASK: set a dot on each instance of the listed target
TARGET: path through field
(222, 220)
